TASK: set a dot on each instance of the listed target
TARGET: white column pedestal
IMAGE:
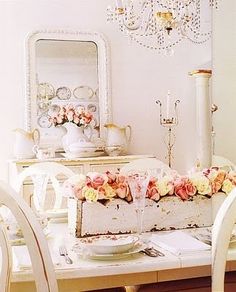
(203, 118)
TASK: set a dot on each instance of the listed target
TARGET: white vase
(74, 134)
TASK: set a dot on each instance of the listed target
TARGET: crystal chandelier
(162, 24)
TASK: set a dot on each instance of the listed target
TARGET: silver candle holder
(169, 123)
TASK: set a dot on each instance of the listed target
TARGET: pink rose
(184, 188)
(71, 190)
(96, 180)
(111, 178)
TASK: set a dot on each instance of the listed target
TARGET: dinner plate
(108, 244)
(104, 257)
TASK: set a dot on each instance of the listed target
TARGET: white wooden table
(87, 274)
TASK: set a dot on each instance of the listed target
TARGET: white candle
(168, 105)
(119, 3)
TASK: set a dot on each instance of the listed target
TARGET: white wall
(224, 85)
(138, 76)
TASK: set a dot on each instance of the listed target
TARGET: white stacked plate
(85, 149)
(108, 247)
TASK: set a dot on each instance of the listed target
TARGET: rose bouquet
(70, 113)
(96, 187)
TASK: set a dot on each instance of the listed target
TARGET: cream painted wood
(221, 232)
(6, 267)
(42, 265)
(79, 165)
(119, 216)
(41, 174)
(153, 165)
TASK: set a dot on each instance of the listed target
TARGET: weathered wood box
(118, 216)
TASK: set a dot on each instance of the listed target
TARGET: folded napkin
(179, 242)
(21, 258)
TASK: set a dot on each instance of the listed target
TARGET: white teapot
(24, 143)
(118, 136)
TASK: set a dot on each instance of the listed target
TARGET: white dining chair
(223, 163)
(155, 167)
(41, 175)
(42, 266)
(6, 260)
(221, 233)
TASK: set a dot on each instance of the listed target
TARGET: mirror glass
(66, 69)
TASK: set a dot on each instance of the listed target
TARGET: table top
(135, 263)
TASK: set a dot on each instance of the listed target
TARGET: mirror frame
(105, 113)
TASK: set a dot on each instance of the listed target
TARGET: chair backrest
(41, 174)
(42, 265)
(6, 256)
(153, 165)
(223, 162)
(221, 233)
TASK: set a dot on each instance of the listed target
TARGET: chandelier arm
(162, 24)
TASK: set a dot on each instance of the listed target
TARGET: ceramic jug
(25, 142)
(118, 136)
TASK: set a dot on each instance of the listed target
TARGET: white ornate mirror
(66, 67)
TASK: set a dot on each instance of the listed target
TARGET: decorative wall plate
(83, 92)
(54, 108)
(43, 121)
(45, 90)
(63, 93)
(92, 107)
(42, 105)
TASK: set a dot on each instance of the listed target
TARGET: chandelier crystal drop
(162, 24)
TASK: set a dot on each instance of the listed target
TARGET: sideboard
(78, 165)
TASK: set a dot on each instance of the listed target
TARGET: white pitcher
(24, 143)
(118, 136)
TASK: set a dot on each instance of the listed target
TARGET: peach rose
(152, 191)
(232, 177)
(106, 192)
(184, 188)
(111, 179)
(122, 190)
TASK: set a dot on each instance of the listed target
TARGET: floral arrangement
(95, 186)
(69, 113)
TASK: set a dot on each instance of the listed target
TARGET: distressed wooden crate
(118, 216)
